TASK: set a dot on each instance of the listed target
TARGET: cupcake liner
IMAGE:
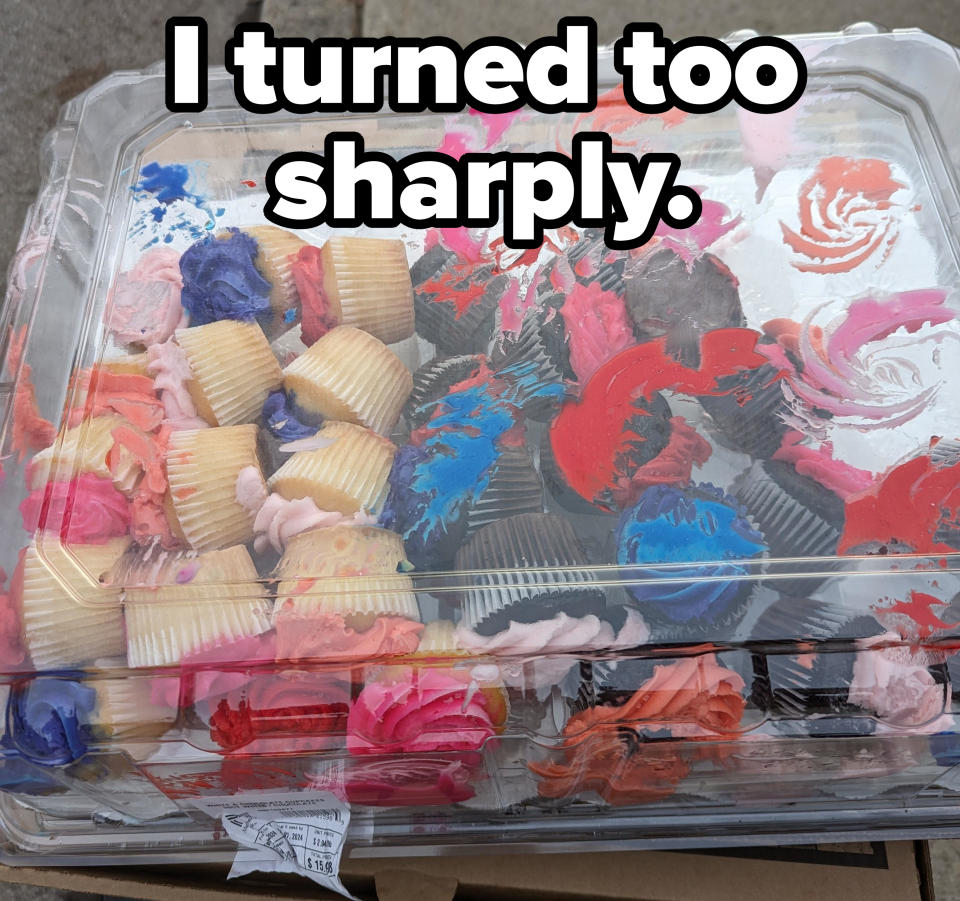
(433, 381)
(798, 517)
(86, 448)
(215, 598)
(276, 249)
(946, 452)
(505, 588)
(514, 488)
(346, 475)
(351, 376)
(434, 261)
(125, 708)
(439, 639)
(367, 285)
(345, 570)
(535, 374)
(131, 364)
(747, 417)
(67, 625)
(469, 329)
(202, 468)
(233, 369)
(668, 297)
(557, 485)
(606, 273)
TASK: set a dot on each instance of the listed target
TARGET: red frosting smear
(316, 317)
(326, 636)
(147, 512)
(130, 396)
(12, 652)
(694, 698)
(87, 510)
(908, 505)
(920, 610)
(407, 781)
(841, 478)
(31, 432)
(420, 710)
(597, 327)
(845, 214)
(446, 288)
(591, 435)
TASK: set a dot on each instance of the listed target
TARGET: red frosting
(307, 271)
(130, 396)
(31, 432)
(411, 781)
(87, 510)
(908, 505)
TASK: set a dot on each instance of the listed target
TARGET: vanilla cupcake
(362, 282)
(276, 251)
(130, 364)
(209, 471)
(233, 369)
(345, 472)
(196, 604)
(69, 617)
(86, 448)
(125, 708)
(346, 570)
(350, 376)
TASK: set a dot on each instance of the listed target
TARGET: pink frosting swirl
(87, 510)
(171, 372)
(597, 325)
(420, 710)
(326, 636)
(144, 305)
(278, 520)
(859, 362)
(896, 684)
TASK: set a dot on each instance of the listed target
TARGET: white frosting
(251, 490)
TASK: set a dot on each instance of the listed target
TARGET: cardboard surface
(871, 871)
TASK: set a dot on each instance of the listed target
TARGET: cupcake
(432, 382)
(524, 569)
(195, 602)
(358, 282)
(669, 297)
(125, 708)
(513, 487)
(797, 515)
(129, 364)
(346, 472)
(707, 542)
(455, 308)
(624, 752)
(68, 617)
(277, 250)
(233, 370)
(85, 510)
(216, 485)
(350, 376)
(143, 307)
(221, 280)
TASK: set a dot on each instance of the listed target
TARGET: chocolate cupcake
(433, 380)
(525, 569)
(799, 518)
(946, 452)
(592, 261)
(455, 304)
(687, 553)
(747, 415)
(666, 296)
(514, 487)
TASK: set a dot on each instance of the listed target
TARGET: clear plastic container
(689, 513)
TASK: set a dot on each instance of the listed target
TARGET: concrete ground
(52, 49)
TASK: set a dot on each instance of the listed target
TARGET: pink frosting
(896, 684)
(307, 271)
(145, 302)
(420, 710)
(818, 463)
(12, 651)
(171, 372)
(689, 243)
(251, 490)
(87, 510)
(598, 327)
(326, 636)
(278, 520)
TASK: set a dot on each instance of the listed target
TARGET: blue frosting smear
(279, 419)
(528, 384)
(220, 280)
(699, 525)
(47, 720)
(434, 482)
(166, 183)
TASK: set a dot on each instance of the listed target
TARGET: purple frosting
(220, 280)
(281, 421)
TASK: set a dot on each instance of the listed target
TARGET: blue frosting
(166, 183)
(432, 484)
(945, 748)
(526, 380)
(281, 421)
(220, 280)
(699, 525)
(47, 720)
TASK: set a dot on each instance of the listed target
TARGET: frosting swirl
(171, 373)
(145, 304)
(87, 510)
(47, 720)
(278, 520)
(221, 280)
